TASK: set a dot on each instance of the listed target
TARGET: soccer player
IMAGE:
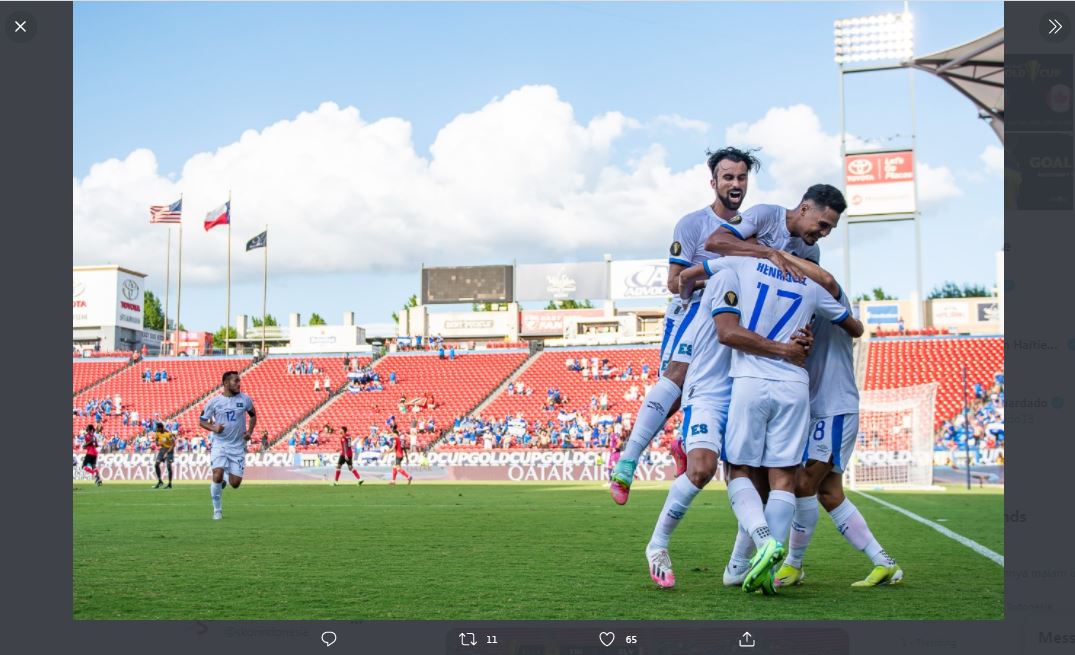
(165, 453)
(707, 395)
(729, 169)
(401, 456)
(831, 436)
(89, 460)
(770, 402)
(346, 455)
(225, 416)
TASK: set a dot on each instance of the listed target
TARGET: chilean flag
(219, 216)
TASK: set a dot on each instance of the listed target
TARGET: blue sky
(480, 133)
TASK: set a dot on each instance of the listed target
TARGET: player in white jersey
(708, 392)
(770, 403)
(225, 416)
(831, 435)
(729, 169)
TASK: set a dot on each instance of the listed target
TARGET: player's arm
(205, 421)
(726, 242)
(674, 272)
(832, 310)
(823, 278)
(732, 334)
(253, 423)
(689, 279)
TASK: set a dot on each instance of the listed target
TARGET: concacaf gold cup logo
(735, 220)
(730, 299)
(675, 249)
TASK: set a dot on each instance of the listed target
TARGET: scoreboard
(462, 284)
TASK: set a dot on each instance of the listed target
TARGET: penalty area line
(969, 543)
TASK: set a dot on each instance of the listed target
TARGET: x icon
(20, 26)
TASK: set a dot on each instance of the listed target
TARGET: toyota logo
(859, 166)
(130, 289)
(80, 288)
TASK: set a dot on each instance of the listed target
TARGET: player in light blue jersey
(730, 169)
(708, 390)
(225, 416)
(830, 436)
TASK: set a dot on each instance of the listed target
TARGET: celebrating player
(165, 453)
(707, 394)
(770, 399)
(831, 436)
(401, 456)
(225, 416)
(89, 460)
(346, 457)
(730, 168)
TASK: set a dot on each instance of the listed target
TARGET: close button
(20, 26)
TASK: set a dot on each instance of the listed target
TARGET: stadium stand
(86, 373)
(907, 361)
(189, 378)
(456, 387)
(550, 371)
(280, 398)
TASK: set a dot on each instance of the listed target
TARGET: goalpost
(895, 442)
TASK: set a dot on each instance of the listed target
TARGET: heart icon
(607, 638)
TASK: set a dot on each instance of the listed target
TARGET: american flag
(166, 213)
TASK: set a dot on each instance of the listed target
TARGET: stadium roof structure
(975, 69)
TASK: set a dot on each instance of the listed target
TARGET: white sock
(215, 491)
(651, 417)
(741, 551)
(779, 512)
(852, 526)
(802, 529)
(746, 503)
(680, 495)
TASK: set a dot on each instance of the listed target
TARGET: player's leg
(339, 464)
(216, 487)
(807, 481)
(395, 472)
(171, 458)
(157, 469)
(660, 403)
(354, 472)
(236, 469)
(703, 428)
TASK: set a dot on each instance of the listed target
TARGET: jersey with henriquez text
(688, 238)
(231, 412)
(767, 222)
(708, 376)
(831, 366)
(775, 306)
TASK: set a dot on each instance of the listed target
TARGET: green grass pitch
(489, 551)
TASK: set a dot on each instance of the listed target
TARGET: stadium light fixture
(873, 38)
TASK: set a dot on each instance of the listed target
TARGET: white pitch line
(969, 543)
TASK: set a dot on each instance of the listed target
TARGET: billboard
(107, 296)
(459, 284)
(473, 324)
(551, 322)
(948, 313)
(880, 183)
(882, 314)
(579, 281)
(639, 278)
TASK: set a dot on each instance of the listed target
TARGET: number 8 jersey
(775, 306)
(230, 411)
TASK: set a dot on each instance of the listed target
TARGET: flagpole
(265, 292)
(179, 291)
(227, 323)
(167, 287)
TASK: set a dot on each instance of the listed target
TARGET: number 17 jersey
(775, 306)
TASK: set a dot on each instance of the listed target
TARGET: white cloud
(936, 184)
(993, 158)
(681, 123)
(519, 178)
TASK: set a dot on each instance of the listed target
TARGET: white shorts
(767, 422)
(703, 426)
(677, 320)
(233, 463)
(832, 438)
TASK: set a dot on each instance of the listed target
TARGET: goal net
(895, 442)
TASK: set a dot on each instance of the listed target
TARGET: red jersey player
(401, 456)
(89, 461)
(345, 457)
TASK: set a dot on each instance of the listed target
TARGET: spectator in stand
(604, 400)
(317, 384)
(328, 385)
(902, 327)
(147, 376)
(645, 371)
(118, 404)
(451, 354)
(392, 377)
(164, 375)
